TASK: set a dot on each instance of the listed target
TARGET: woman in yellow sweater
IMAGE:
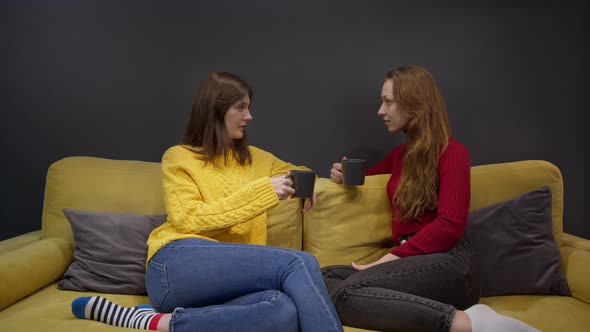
(208, 268)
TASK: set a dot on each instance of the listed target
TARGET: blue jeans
(216, 286)
(416, 293)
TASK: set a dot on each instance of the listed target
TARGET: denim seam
(467, 277)
(448, 310)
(431, 267)
(173, 318)
(164, 281)
(204, 311)
(449, 320)
(413, 299)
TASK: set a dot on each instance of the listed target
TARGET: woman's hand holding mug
(282, 186)
(336, 172)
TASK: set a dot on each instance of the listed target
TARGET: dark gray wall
(115, 79)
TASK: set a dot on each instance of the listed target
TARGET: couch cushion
(495, 183)
(354, 224)
(48, 310)
(97, 184)
(349, 223)
(546, 313)
(513, 247)
(284, 224)
(111, 251)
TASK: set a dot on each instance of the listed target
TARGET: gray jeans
(416, 293)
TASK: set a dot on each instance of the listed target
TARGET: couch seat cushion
(547, 313)
(49, 310)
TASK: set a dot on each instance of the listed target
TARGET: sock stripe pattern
(93, 309)
(103, 312)
(100, 309)
(117, 316)
(111, 314)
(125, 313)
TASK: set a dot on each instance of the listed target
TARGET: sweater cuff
(265, 193)
(400, 252)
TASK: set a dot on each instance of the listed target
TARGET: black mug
(353, 172)
(303, 183)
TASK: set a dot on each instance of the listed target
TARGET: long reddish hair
(427, 135)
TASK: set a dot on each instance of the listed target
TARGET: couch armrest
(569, 240)
(26, 269)
(19, 241)
(575, 263)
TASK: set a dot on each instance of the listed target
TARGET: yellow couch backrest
(98, 184)
(495, 183)
(341, 218)
(354, 223)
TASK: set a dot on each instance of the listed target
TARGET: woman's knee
(298, 259)
(284, 312)
(308, 259)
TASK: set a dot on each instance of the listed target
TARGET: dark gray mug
(353, 172)
(303, 183)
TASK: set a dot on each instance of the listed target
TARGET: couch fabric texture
(347, 224)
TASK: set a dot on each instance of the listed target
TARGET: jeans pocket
(157, 284)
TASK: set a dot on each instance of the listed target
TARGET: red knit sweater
(440, 229)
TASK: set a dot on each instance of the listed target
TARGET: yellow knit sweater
(220, 203)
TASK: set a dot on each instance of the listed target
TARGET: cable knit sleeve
(189, 213)
(277, 166)
(280, 167)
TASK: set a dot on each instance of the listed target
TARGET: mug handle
(292, 178)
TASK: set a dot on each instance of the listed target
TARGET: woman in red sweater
(427, 279)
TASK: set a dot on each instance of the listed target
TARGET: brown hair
(427, 135)
(206, 127)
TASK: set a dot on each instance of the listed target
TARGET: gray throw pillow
(514, 248)
(111, 251)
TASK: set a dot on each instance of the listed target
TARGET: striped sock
(97, 308)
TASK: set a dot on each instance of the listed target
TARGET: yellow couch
(31, 264)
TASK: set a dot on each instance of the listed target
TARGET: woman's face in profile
(237, 118)
(394, 119)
